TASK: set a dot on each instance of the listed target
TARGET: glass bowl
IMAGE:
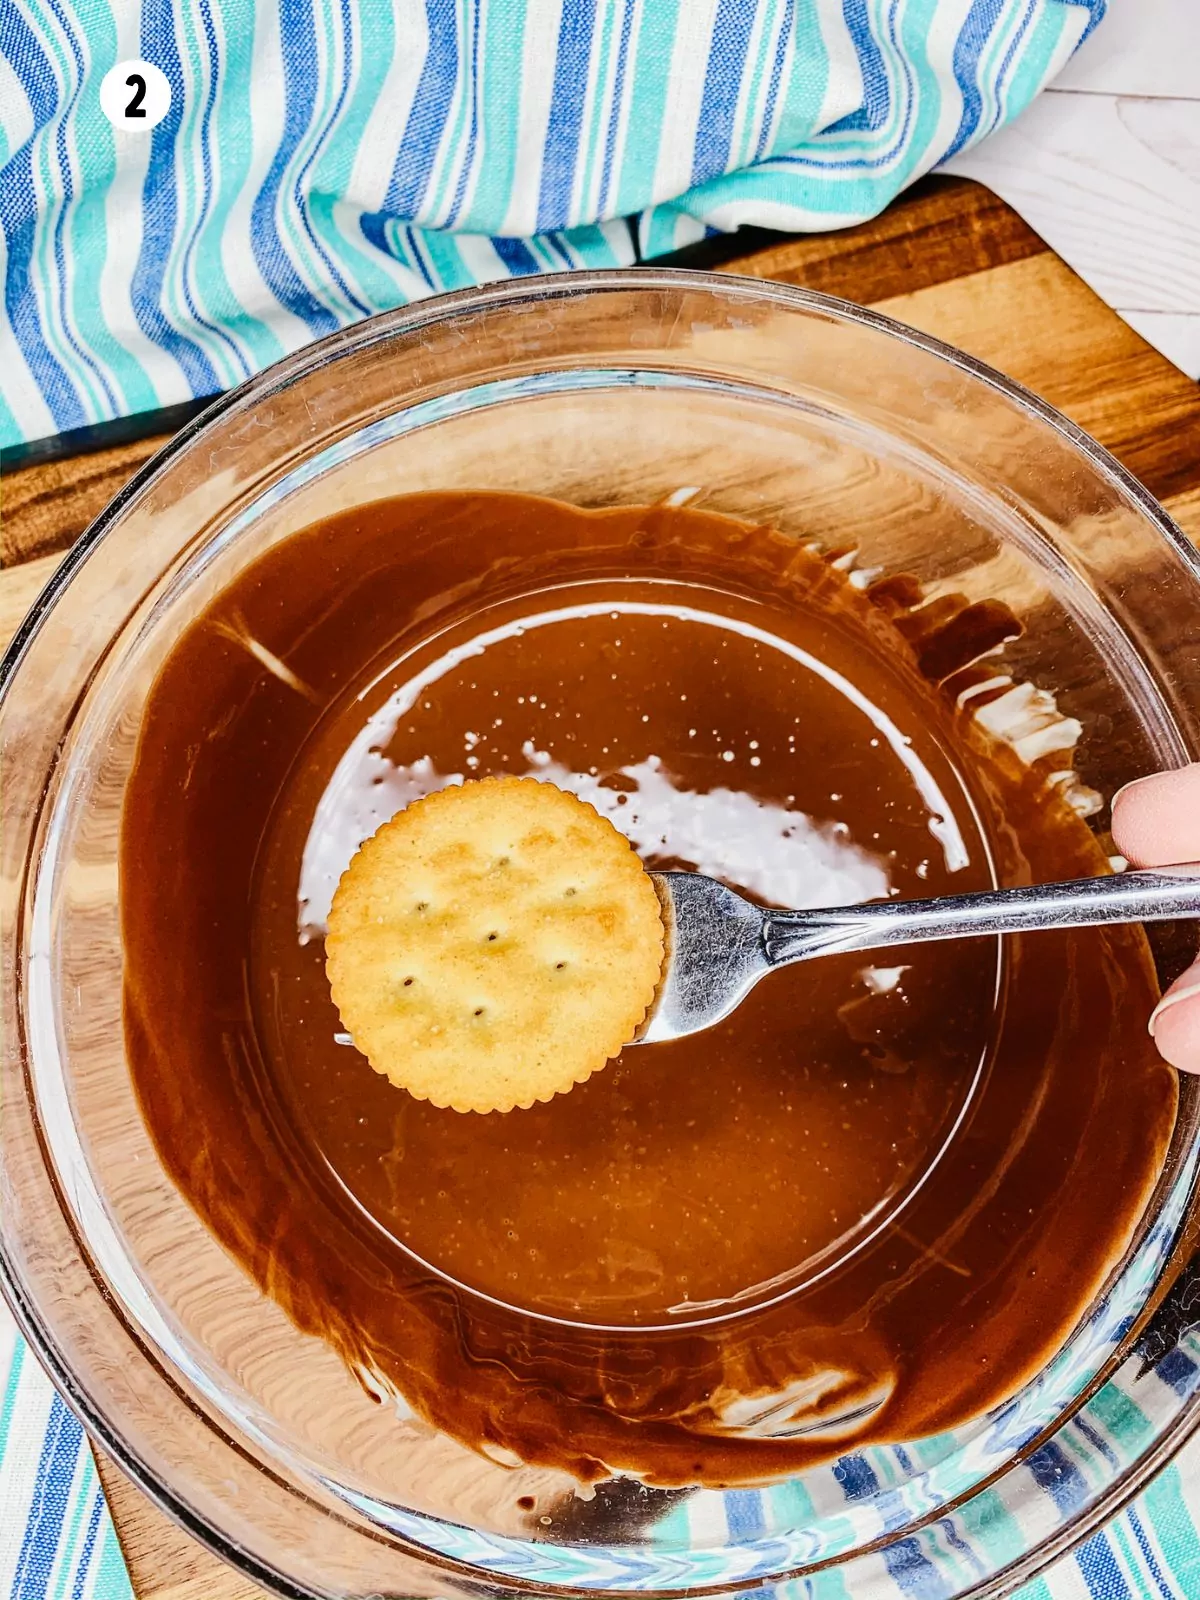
(826, 420)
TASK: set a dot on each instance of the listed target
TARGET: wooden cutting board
(950, 259)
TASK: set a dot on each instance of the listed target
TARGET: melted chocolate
(865, 1208)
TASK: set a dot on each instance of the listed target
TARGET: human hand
(1156, 823)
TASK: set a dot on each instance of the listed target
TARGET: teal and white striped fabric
(56, 1536)
(324, 159)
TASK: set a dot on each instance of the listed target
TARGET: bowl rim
(362, 336)
(562, 285)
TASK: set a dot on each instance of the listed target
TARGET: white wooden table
(1106, 167)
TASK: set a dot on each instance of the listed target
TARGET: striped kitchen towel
(324, 159)
(57, 1540)
(56, 1536)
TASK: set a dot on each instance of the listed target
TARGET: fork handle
(1161, 895)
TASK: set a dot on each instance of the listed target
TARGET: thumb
(1175, 1024)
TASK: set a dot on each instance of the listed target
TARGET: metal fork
(719, 944)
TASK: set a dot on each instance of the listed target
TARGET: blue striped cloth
(57, 1540)
(56, 1536)
(324, 159)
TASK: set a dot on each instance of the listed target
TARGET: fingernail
(1172, 999)
(1125, 788)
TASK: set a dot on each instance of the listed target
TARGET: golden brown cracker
(494, 944)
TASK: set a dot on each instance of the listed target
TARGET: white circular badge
(135, 94)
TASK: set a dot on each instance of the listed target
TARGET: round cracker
(494, 944)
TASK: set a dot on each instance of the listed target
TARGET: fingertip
(1156, 820)
(1134, 823)
(1175, 1024)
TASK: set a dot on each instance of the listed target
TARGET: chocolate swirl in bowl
(864, 1209)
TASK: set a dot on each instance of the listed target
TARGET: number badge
(135, 94)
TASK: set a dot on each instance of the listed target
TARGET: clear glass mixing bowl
(831, 423)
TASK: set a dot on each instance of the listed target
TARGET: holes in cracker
(487, 858)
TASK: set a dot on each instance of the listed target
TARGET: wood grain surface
(1106, 163)
(949, 259)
